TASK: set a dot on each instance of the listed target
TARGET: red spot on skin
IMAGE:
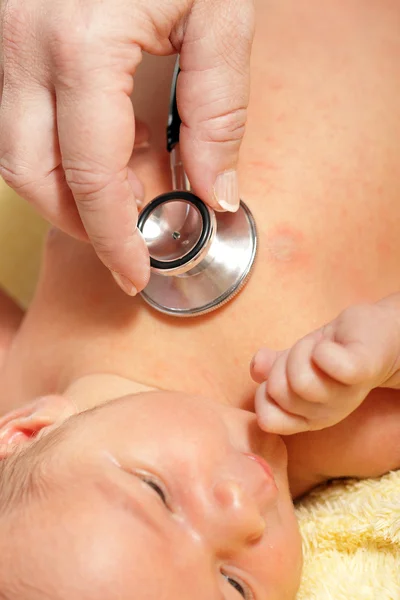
(285, 244)
(275, 84)
(260, 174)
(281, 117)
(262, 165)
(385, 249)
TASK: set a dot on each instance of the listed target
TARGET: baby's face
(162, 496)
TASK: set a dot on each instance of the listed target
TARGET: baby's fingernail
(253, 362)
(256, 372)
(124, 283)
(226, 191)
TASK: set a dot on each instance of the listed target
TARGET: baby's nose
(239, 517)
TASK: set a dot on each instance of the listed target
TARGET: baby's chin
(95, 389)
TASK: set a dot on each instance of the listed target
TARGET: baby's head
(156, 495)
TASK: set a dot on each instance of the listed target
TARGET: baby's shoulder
(365, 444)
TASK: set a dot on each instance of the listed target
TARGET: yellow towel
(351, 530)
(351, 533)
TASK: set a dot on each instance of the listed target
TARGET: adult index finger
(96, 134)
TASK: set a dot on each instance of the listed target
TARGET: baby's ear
(23, 425)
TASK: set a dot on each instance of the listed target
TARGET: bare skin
(320, 171)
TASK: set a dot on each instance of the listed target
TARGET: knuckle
(106, 247)
(112, 251)
(361, 368)
(225, 127)
(19, 178)
(10, 175)
(86, 182)
(67, 60)
(301, 382)
(74, 51)
(358, 312)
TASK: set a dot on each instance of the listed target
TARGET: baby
(166, 495)
(135, 463)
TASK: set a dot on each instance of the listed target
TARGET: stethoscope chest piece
(199, 259)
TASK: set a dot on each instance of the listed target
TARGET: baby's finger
(348, 365)
(273, 418)
(308, 381)
(279, 389)
(262, 363)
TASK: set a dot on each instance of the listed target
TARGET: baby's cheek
(280, 564)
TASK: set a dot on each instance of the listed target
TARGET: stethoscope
(199, 259)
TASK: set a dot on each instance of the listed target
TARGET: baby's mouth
(264, 465)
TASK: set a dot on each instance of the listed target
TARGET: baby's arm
(327, 374)
(10, 319)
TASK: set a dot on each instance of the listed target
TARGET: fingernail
(226, 191)
(124, 283)
(139, 203)
(253, 362)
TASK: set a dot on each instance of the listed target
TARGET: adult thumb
(212, 96)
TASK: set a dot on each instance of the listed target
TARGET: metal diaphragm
(199, 259)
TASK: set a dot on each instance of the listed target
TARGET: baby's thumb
(274, 419)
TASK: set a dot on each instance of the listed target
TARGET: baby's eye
(243, 591)
(156, 487)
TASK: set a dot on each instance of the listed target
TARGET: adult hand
(67, 125)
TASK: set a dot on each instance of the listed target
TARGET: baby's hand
(327, 374)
